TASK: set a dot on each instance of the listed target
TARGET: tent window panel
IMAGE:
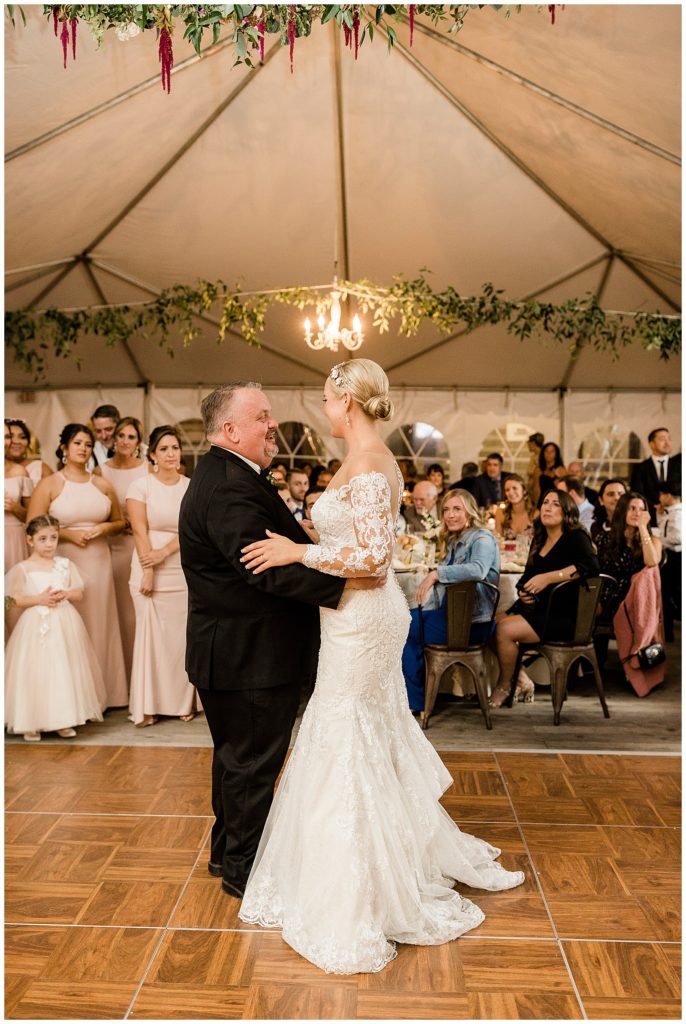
(194, 444)
(609, 452)
(298, 443)
(421, 443)
(511, 441)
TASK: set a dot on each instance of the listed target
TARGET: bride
(357, 853)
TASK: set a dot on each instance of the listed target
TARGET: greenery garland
(32, 336)
(250, 23)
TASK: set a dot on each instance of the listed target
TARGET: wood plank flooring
(110, 912)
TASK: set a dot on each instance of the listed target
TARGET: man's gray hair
(216, 408)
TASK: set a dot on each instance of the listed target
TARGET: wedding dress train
(357, 853)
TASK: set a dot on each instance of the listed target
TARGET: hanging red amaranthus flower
(260, 32)
(551, 8)
(55, 18)
(356, 30)
(64, 38)
(411, 22)
(73, 22)
(291, 33)
(347, 34)
(166, 58)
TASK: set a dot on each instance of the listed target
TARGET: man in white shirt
(577, 492)
(669, 531)
(104, 419)
(661, 467)
(298, 484)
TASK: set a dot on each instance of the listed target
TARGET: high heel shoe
(525, 689)
(500, 699)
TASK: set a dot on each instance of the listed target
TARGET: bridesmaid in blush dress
(159, 684)
(121, 470)
(18, 488)
(88, 510)
(19, 450)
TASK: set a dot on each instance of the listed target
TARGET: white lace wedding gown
(357, 853)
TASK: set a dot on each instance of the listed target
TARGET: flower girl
(52, 676)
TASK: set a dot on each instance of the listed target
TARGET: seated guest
(626, 548)
(488, 486)
(574, 487)
(575, 468)
(611, 490)
(561, 550)
(669, 532)
(624, 552)
(315, 474)
(422, 514)
(298, 485)
(437, 477)
(470, 471)
(660, 467)
(333, 465)
(517, 518)
(311, 497)
(534, 444)
(551, 468)
(470, 552)
(285, 493)
(104, 420)
(409, 473)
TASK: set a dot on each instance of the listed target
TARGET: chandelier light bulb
(331, 335)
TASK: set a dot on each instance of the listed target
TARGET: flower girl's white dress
(357, 853)
(52, 675)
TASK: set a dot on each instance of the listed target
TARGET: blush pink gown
(159, 684)
(121, 548)
(79, 507)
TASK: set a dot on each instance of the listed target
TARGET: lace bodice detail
(356, 528)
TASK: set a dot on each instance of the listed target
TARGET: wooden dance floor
(111, 913)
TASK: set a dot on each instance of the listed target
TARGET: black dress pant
(251, 730)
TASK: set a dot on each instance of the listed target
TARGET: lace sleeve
(370, 497)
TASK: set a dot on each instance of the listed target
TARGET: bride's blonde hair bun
(367, 384)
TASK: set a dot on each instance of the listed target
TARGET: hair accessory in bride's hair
(337, 376)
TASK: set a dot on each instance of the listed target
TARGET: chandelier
(332, 335)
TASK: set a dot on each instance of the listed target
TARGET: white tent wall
(465, 418)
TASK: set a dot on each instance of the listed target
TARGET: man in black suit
(470, 471)
(239, 623)
(661, 467)
(488, 486)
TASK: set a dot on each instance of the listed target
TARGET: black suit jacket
(482, 490)
(245, 631)
(644, 479)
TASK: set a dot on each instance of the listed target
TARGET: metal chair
(459, 598)
(562, 655)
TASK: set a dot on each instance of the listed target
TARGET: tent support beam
(532, 295)
(547, 94)
(442, 388)
(173, 160)
(103, 298)
(341, 191)
(573, 359)
(506, 151)
(108, 104)
(53, 284)
(34, 277)
(647, 280)
(203, 316)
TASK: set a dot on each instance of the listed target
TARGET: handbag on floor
(648, 656)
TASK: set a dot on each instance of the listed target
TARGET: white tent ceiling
(542, 158)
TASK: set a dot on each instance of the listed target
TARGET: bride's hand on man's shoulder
(268, 554)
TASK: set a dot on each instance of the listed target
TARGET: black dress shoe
(214, 869)
(233, 890)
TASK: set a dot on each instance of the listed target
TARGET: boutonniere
(428, 521)
(271, 478)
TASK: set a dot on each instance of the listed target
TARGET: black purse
(649, 656)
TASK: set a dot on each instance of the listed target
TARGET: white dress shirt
(657, 459)
(669, 527)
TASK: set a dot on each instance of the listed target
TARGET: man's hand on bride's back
(365, 582)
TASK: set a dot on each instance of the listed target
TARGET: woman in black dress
(610, 492)
(561, 550)
(626, 548)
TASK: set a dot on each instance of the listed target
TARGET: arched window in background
(421, 444)
(299, 443)
(510, 440)
(194, 444)
(609, 451)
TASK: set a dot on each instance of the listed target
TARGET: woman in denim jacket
(471, 553)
